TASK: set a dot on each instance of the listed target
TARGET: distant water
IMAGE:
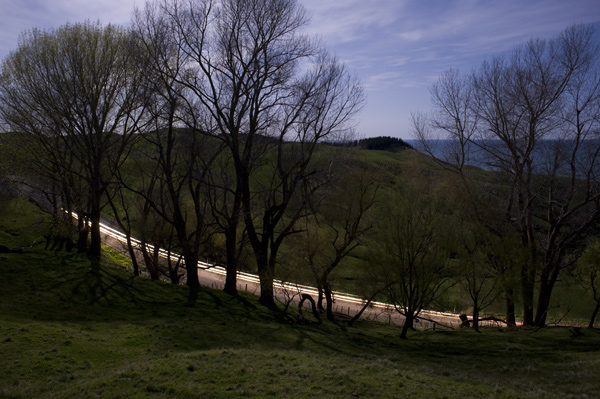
(447, 150)
(546, 155)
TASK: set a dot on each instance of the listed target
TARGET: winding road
(214, 276)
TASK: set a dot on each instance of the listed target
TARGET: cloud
(351, 20)
(411, 36)
(470, 27)
(395, 46)
(17, 16)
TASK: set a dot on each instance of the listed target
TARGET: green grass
(72, 328)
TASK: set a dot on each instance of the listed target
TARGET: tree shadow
(244, 302)
(193, 296)
(98, 286)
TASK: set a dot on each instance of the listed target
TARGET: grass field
(72, 328)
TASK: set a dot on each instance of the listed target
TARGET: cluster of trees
(385, 143)
(382, 143)
(229, 98)
(532, 115)
(76, 94)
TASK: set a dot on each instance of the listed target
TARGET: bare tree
(410, 260)
(338, 223)
(225, 206)
(588, 274)
(53, 183)
(452, 124)
(327, 99)
(533, 107)
(123, 209)
(178, 143)
(476, 262)
(537, 120)
(269, 94)
(76, 91)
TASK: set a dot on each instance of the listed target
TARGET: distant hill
(384, 143)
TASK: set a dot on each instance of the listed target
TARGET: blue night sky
(396, 47)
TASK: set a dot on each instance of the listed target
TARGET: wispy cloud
(346, 21)
(17, 16)
(388, 40)
(397, 47)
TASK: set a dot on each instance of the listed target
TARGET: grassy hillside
(70, 329)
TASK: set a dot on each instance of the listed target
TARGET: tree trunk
(173, 270)
(82, 233)
(266, 274)
(476, 314)
(95, 248)
(230, 278)
(548, 280)
(594, 314)
(543, 304)
(231, 267)
(189, 251)
(510, 308)
(131, 250)
(408, 323)
(151, 260)
(96, 191)
(320, 297)
(191, 266)
(315, 312)
(329, 298)
(527, 292)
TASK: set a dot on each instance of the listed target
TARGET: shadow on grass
(193, 297)
(244, 302)
(98, 286)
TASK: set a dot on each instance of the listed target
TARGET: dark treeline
(382, 143)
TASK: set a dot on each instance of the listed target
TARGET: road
(214, 276)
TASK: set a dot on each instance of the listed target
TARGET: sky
(397, 48)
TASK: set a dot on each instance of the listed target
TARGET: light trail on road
(254, 279)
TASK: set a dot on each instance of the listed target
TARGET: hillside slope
(71, 328)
